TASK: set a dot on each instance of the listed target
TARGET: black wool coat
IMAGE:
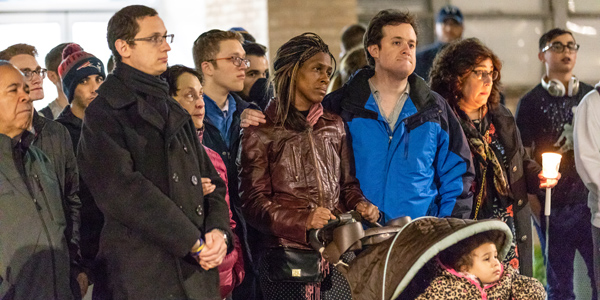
(144, 174)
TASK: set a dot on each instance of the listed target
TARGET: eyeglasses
(236, 60)
(155, 40)
(559, 47)
(29, 73)
(481, 74)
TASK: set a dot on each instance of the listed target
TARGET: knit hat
(75, 66)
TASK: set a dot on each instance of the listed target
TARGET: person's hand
(319, 218)
(82, 279)
(547, 182)
(368, 211)
(207, 186)
(252, 117)
(214, 250)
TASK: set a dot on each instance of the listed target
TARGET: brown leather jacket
(286, 174)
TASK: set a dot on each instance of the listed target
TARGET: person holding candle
(467, 75)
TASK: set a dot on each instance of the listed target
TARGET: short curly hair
(459, 254)
(455, 62)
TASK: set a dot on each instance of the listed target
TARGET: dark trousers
(570, 230)
(596, 238)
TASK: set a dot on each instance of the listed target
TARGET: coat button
(520, 202)
(199, 210)
(524, 238)
(194, 180)
(224, 153)
(185, 148)
(514, 168)
(175, 177)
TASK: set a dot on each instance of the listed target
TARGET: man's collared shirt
(221, 118)
(393, 117)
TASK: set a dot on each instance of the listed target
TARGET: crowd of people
(173, 182)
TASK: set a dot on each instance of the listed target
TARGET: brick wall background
(327, 18)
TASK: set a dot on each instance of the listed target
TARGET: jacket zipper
(37, 179)
(39, 211)
(314, 155)
(296, 171)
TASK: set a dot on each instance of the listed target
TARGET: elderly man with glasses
(143, 163)
(545, 120)
(54, 140)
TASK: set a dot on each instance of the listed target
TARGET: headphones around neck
(557, 88)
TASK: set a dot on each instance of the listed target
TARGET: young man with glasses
(54, 140)
(545, 119)
(221, 59)
(143, 163)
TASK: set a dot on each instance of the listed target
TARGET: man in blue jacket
(412, 158)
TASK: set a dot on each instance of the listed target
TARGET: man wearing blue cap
(448, 28)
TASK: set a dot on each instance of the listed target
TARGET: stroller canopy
(384, 271)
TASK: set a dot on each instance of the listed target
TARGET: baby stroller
(397, 260)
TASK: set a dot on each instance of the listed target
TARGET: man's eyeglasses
(482, 74)
(29, 73)
(236, 60)
(155, 40)
(559, 47)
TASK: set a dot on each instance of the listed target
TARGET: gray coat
(34, 257)
(144, 173)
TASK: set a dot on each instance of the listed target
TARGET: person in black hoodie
(142, 161)
(81, 74)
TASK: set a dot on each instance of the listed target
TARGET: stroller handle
(345, 218)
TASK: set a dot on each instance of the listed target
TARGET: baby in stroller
(471, 269)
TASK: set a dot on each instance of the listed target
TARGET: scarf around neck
(484, 157)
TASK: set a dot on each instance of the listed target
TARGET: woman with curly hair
(467, 75)
(296, 173)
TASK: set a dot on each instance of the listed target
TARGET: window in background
(504, 6)
(92, 37)
(586, 33)
(44, 31)
(515, 42)
(584, 6)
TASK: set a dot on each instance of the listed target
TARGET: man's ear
(123, 48)
(53, 76)
(541, 57)
(374, 50)
(207, 68)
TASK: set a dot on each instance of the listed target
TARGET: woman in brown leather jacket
(296, 173)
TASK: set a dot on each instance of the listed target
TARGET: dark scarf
(147, 85)
(484, 158)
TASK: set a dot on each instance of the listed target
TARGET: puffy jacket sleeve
(524, 287)
(125, 194)
(454, 167)
(350, 193)
(285, 219)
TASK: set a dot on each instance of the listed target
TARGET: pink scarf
(315, 112)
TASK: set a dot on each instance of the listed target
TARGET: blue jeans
(570, 230)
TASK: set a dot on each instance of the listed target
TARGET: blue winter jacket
(423, 167)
